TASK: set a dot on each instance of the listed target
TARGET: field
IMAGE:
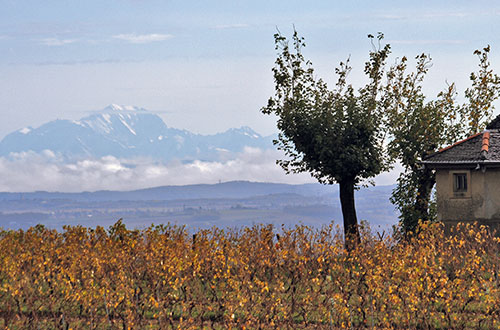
(257, 277)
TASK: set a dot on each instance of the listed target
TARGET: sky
(206, 66)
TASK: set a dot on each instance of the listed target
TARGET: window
(459, 182)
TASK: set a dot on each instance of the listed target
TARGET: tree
(418, 128)
(484, 90)
(337, 134)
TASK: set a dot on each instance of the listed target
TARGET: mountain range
(128, 132)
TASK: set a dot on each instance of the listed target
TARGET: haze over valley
(189, 80)
(64, 173)
(230, 204)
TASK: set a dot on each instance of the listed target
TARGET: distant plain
(231, 204)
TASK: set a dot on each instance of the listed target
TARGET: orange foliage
(163, 277)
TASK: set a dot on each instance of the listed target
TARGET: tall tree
(336, 134)
(480, 97)
(419, 127)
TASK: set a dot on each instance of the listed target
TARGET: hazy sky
(203, 65)
(193, 61)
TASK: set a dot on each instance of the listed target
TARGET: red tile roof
(486, 141)
(483, 147)
(457, 143)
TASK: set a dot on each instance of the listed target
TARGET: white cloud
(430, 15)
(28, 171)
(426, 42)
(450, 14)
(56, 41)
(391, 17)
(143, 38)
(231, 26)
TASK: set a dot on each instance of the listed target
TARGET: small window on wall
(459, 182)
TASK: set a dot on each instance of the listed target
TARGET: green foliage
(333, 134)
(338, 135)
(484, 90)
(419, 127)
(416, 128)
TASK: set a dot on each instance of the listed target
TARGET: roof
(494, 124)
(479, 149)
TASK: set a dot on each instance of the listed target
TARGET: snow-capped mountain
(128, 132)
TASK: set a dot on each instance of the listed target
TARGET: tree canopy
(339, 135)
(418, 127)
(335, 134)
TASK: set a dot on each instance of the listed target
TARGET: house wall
(480, 203)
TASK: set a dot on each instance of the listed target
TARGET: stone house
(468, 178)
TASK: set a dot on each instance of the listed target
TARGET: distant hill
(128, 132)
(233, 189)
(234, 204)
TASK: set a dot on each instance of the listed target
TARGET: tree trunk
(425, 183)
(351, 232)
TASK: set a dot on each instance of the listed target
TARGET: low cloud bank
(25, 172)
(46, 171)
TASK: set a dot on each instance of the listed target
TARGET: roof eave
(462, 164)
(453, 145)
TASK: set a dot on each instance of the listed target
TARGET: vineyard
(164, 277)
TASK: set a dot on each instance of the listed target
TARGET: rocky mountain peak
(128, 132)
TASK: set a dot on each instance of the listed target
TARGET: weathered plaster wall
(480, 203)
